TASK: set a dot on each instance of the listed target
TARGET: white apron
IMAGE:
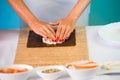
(53, 10)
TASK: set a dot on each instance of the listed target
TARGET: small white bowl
(82, 74)
(51, 76)
(16, 76)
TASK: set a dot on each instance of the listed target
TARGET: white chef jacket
(53, 10)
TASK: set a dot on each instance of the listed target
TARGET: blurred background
(101, 12)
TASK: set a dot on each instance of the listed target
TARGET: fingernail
(62, 40)
(47, 37)
(66, 37)
(57, 40)
(53, 40)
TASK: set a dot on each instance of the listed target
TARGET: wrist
(33, 23)
(71, 19)
(36, 23)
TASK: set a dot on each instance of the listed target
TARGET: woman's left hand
(64, 29)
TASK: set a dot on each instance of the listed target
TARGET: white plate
(112, 70)
(111, 33)
(102, 72)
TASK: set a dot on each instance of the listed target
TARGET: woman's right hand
(39, 27)
(44, 29)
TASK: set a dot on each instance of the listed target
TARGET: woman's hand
(38, 27)
(43, 29)
(64, 29)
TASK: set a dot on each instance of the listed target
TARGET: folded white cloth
(8, 46)
(99, 49)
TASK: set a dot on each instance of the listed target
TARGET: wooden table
(51, 55)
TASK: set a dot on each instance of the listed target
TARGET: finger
(51, 29)
(48, 32)
(62, 33)
(58, 32)
(66, 34)
(42, 33)
(52, 34)
(54, 23)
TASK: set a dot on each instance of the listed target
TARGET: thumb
(54, 23)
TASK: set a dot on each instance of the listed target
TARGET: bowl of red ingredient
(82, 70)
(15, 72)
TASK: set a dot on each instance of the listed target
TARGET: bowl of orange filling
(15, 72)
(82, 70)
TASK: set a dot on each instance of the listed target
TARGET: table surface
(99, 50)
(96, 49)
(102, 77)
(41, 56)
